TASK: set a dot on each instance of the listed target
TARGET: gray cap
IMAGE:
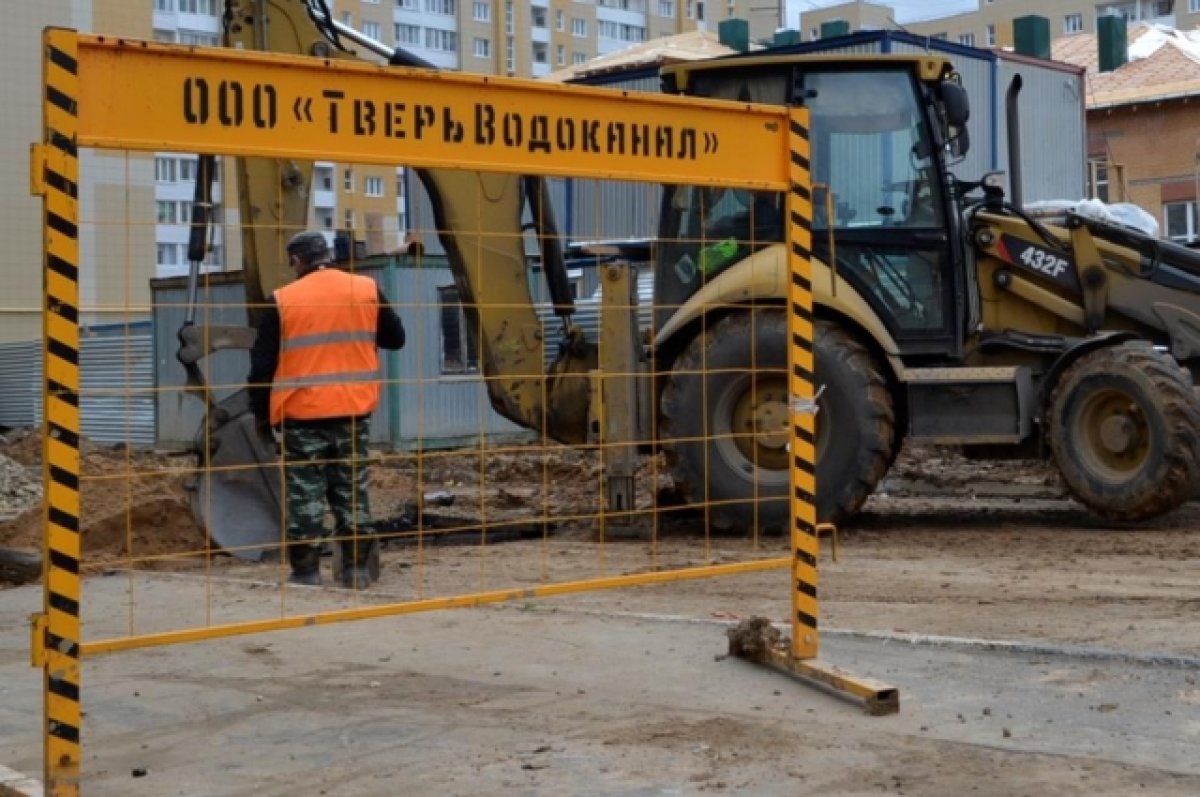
(310, 247)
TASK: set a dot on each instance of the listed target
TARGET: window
(1163, 8)
(459, 348)
(349, 219)
(538, 17)
(444, 40)
(559, 23)
(408, 34)
(348, 180)
(325, 180)
(690, 10)
(164, 5)
(208, 7)
(991, 35)
(666, 8)
(164, 170)
(1106, 181)
(1179, 221)
(199, 39)
(440, 6)
(371, 30)
(579, 58)
(373, 186)
(482, 48)
(168, 255)
(539, 53)
(1193, 6)
(411, 5)
(617, 30)
(967, 39)
(578, 27)
(899, 201)
(325, 219)
(166, 212)
(560, 54)
(481, 12)
(188, 168)
(1072, 23)
(214, 255)
(167, 36)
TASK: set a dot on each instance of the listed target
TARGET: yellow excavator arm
(479, 219)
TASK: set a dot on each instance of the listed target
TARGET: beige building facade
(990, 24)
(114, 282)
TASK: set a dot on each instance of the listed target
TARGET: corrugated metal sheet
(20, 391)
(116, 395)
(1051, 111)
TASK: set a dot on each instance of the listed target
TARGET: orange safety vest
(328, 366)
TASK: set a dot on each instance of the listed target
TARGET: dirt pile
(134, 507)
(20, 487)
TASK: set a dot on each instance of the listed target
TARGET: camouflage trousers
(327, 465)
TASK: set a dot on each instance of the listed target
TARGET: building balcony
(324, 199)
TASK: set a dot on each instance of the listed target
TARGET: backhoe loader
(945, 313)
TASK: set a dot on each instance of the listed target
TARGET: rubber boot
(356, 572)
(306, 565)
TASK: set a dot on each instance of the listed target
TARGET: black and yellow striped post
(55, 173)
(800, 659)
(805, 544)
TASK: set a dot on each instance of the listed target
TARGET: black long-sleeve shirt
(264, 355)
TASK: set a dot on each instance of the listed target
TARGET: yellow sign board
(145, 96)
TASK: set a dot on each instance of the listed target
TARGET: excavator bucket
(236, 495)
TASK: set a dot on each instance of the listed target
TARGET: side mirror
(956, 103)
(957, 109)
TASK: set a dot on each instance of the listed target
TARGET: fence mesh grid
(462, 499)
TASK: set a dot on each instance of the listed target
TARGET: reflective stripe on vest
(328, 365)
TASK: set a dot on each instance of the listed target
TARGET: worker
(314, 377)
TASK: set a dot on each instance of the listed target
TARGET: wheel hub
(1117, 433)
(771, 424)
(759, 421)
(1114, 434)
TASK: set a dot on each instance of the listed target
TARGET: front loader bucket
(236, 495)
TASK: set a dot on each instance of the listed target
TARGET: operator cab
(881, 129)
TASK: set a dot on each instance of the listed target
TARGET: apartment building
(114, 284)
(990, 23)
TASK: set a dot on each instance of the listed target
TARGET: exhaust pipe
(1014, 142)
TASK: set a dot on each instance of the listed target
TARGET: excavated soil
(135, 510)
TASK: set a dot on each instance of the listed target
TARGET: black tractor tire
(745, 477)
(1124, 428)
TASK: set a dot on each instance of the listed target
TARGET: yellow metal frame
(108, 93)
(55, 177)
